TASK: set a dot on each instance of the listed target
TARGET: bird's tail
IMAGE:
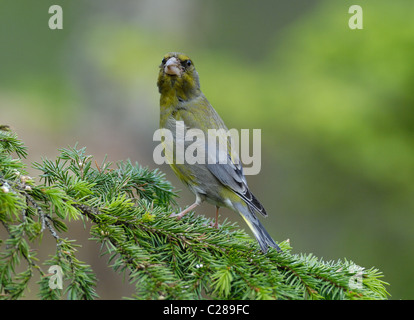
(260, 233)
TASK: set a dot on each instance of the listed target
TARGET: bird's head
(178, 76)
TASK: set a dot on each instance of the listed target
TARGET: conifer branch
(129, 208)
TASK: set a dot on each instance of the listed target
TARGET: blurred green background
(335, 105)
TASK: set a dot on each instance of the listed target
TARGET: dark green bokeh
(335, 105)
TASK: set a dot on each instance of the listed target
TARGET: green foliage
(163, 258)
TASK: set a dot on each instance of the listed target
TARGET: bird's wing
(221, 159)
(231, 175)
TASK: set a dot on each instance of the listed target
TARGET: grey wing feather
(231, 175)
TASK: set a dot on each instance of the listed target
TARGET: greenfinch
(222, 183)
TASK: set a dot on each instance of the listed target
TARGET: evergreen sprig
(129, 207)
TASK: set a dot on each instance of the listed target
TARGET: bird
(221, 183)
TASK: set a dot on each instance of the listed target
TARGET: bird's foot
(184, 212)
(176, 215)
(214, 225)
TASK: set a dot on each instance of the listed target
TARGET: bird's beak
(172, 67)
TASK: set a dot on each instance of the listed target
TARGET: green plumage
(183, 106)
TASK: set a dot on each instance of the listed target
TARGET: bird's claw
(214, 225)
(178, 216)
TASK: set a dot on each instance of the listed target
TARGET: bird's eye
(164, 61)
(188, 63)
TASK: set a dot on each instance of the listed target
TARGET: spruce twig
(129, 208)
